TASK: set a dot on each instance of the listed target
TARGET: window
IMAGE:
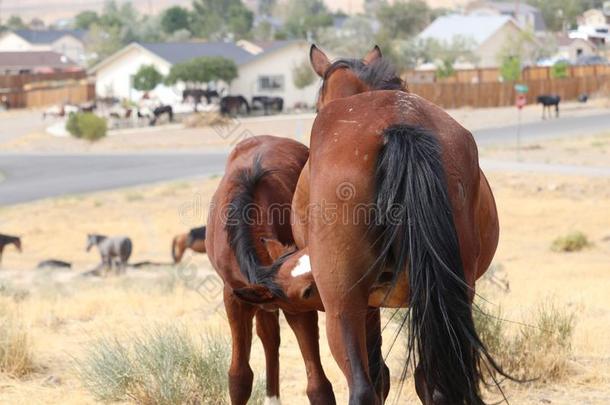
(271, 83)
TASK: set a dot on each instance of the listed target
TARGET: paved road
(553, 128)
(31, 177)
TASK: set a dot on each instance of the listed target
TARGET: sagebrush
(162, 365)
(16, 358)
(537, 349)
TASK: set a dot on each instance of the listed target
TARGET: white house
(265, 69)
(526, 16)
(488, 34)
(66, 42)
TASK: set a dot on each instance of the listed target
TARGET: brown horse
(247, 231)
(6, 240)
(414, 224)
(194, 240)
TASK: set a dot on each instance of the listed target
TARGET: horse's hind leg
(378, 370)
(268, 330)
(240, 317)
(305, 328)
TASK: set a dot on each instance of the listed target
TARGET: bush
(559, 70)
(86, 126)
(539, 348)
(162, 365)
(15, 347)
(572, 242)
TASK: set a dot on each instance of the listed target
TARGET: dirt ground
(65, 311)
(175, 137)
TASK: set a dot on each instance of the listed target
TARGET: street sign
(521, 88)
(521, 101)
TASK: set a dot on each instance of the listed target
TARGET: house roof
(35, 60)
(48, 36)
(178, 52)
(476, 27)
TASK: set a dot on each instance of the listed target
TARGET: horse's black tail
(243, 212)
(418, 234)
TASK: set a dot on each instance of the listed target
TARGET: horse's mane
(379, 75)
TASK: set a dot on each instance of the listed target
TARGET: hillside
(53, 10)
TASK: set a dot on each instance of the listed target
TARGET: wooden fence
(39, 90)
(495, 94)
(492, 75)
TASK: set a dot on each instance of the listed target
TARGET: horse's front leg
(240, 317)
(268, 330)
(378, 370)
(305, 328)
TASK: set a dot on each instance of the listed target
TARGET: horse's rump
(253, 202)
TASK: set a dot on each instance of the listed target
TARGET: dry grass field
(59, 314)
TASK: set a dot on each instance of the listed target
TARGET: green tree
(216, 19)
(559, 70)
(15, 23)
(446, 53)
(203, 70)
(85, 19)
(147, 78)
(559, 13)
(510, 69)
(357, 44)
(403, 19)
(303, 75)
(305, 17)
(103, 41)
(174, 19)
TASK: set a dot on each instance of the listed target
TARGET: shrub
(15, 347)
(572, 242)
(559, 70)
(87, 126)
(162, 365)
(538, 349)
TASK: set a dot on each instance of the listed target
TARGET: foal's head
(346, 77)
(93, 240)
(293, 277)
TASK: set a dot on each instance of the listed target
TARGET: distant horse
(114, 251)
(269, 103)
(158, 111)
(194, 240)
(233, 105)
(547, 101)
(197, 94)
(247, 229)
(53, 263)
(6, 240)
(417, 226)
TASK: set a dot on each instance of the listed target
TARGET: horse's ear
(254, 294)
(319, 60)
(274, 247)
(373, 55)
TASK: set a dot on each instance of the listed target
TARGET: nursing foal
(248, 225)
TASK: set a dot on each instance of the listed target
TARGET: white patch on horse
(303, 267)
(272, 401)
